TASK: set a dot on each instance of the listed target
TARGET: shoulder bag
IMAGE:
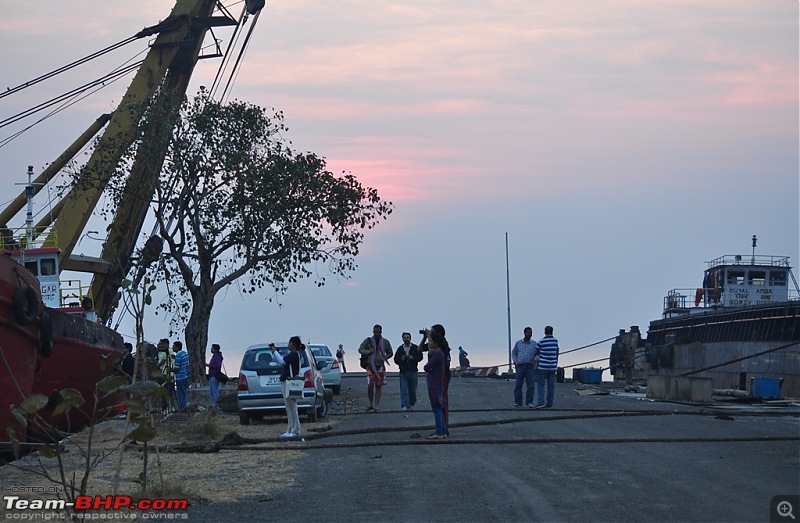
(293, 386)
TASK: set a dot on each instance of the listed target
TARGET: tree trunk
(197, 336)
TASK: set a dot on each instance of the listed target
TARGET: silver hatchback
(260, 386)
(329, 367)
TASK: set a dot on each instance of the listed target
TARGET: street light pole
(508, 303)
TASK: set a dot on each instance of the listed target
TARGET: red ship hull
(19, 342)
(84, 353)
(69, 352)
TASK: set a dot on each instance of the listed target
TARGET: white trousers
(291, 414)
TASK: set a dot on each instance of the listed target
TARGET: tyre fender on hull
(26, 305)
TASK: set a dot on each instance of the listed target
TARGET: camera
(423, 331)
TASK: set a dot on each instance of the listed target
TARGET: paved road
(592, 458)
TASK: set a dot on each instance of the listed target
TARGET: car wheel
(337, 389)
(322, 411)
(244, 418)
(312, 415)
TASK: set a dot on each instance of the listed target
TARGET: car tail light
(309, 377)
(242, 383)
(335, 364)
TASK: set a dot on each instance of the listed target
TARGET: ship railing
(74, 293)
(22, 238)
(699, 298)
(740, 259)
(678, 299)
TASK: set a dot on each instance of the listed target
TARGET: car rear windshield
(261, 360)
(320, 350)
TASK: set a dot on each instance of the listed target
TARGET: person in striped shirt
(181, 373)
(548, 364)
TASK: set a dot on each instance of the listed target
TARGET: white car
(329, 367)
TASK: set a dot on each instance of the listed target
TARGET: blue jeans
(525, 372)
(182, 386)
(550, 377)
(408, 388)
(213, 386)
(438, 417)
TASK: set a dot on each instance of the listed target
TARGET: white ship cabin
(41, 258)
(736, 281)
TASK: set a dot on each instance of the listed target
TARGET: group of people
(536, 363)
(376, 353)
(173, 364)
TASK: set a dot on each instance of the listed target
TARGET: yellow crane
(167, 67)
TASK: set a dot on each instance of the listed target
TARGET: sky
(618, 144)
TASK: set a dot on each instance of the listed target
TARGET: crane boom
(168, 67)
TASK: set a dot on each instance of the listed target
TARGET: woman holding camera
(423, 346)
(291, 367)
(435, 376)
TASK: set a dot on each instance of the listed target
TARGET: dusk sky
(620, 144)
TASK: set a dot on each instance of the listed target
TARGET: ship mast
(29, 192)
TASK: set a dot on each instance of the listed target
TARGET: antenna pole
(29, 215)
(753, 259)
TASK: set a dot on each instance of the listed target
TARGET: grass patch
(200, 426)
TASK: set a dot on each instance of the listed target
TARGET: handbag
(223, 378)
(293, 387)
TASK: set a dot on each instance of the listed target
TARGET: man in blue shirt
(548, 365)
(181, 373)
(523, 355)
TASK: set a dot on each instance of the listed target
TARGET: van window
(261, 360)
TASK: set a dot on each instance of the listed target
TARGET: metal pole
(508, 302)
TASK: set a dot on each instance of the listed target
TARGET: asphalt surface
(614, 457)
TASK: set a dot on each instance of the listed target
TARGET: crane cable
(12, 90)
(226, 57)
(78, 96)
(110, 77)
(235, 70)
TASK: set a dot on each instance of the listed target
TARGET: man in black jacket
(407, 357)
